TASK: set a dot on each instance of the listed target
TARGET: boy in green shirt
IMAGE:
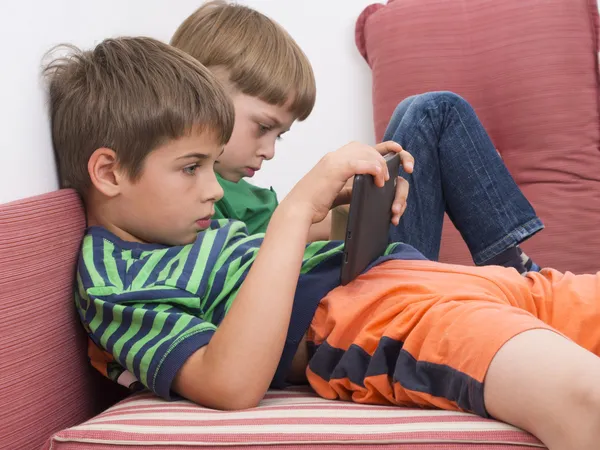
(271, 83)
(250, 204)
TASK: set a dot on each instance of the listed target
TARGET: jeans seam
(502, 210)
(507, 215)
(515, 237)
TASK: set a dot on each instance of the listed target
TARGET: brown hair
(260, 58)
(130, 95)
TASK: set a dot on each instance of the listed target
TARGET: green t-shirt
(250, 204)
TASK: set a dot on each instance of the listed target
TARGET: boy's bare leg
(546, 384)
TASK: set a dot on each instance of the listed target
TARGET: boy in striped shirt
(202, 309)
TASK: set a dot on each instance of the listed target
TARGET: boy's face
(257, 127)
(174, 197)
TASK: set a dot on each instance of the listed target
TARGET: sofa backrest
(46, 383)
(530, 69)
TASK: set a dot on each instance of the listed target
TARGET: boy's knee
(438, 97)
(582, 416)
(437, 105)
(406, 102)
(399, 113)
(584, 396)
(428, 100)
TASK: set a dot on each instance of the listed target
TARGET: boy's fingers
(384, 167)
(402, 188)
(381, 178)
(399, 205)
(377, 167)
(403, 209)
(365, 167)
(408, 161)
(387, 147)
(385, 173)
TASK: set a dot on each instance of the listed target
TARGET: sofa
(540, 105)
(51, 398)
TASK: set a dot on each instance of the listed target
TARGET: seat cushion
(291, 419)
(530, 69)
(46, 383)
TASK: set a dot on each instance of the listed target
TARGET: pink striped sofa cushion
(530, 69)
(46, 383)
(285, 419)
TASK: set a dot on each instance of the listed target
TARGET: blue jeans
(457, 171)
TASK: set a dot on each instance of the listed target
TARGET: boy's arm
(333, 227)
(236, 367)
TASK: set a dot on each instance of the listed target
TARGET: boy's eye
(190, 170)
(263, 129)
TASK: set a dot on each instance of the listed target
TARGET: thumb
(388, 147)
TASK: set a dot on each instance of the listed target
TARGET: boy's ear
(104, 172)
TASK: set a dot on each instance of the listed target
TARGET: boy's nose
(267, 152)
(219, 192)
(213, 192)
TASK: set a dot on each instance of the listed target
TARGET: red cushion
(530, 70)
(46, 383)
(294, 419)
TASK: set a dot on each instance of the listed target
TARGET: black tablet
(369, 220)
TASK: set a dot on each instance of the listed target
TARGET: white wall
(324, 29)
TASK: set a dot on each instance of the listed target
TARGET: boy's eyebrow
(275, 121)
(194, 155)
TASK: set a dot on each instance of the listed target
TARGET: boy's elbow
(236, 394)
(218, 392)
(236, 402)
(226, 397)
(208, 386)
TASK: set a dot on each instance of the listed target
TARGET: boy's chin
(232, 176)
(188, 240)
(176, 241)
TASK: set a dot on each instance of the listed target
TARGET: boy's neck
(97, 214)
(118, 232)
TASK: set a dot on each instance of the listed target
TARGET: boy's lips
(250, 171)
(204, 222)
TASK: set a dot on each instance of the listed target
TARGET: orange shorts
(422, 333)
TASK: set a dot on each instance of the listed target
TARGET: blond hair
(130, 95)
(259, 57)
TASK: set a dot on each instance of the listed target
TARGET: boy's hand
(406, 159)
(408, 163)
(319, 188)
(402, 187)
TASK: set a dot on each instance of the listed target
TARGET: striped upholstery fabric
(46, 383)
(285, 419)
